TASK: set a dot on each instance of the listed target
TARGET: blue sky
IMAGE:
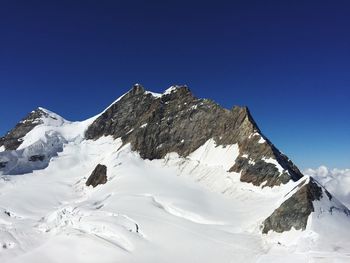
(289, 61)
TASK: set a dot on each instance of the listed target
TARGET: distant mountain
(160, 178)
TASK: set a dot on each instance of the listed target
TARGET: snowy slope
(175, 209)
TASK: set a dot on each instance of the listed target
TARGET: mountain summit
(167, 161)
(178, 122)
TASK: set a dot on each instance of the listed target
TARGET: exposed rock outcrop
(98, 176)
(179, 122)
(3, 164)
(36, 158)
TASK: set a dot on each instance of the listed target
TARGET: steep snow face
(216, 155)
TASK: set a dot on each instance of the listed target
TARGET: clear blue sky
(289, 61)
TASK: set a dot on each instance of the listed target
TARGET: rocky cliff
(98, 176)
(177, 121)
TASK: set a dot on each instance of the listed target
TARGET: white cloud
(337, 181)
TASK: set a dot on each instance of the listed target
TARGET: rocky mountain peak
(35, 115)
(178, 90)
(177, 121)
(137, 89)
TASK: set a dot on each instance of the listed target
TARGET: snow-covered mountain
(171, 178)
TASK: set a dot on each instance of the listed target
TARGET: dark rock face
(35, 158)
(295, 211)
(268, 173)
(179, 122)
(3, 164)
(98, 176)
(12, 140)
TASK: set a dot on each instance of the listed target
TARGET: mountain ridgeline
(176, 121)
(179, 122)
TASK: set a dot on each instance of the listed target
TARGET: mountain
(178, 122)
(160, 178)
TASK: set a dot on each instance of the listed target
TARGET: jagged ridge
(179, 122)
